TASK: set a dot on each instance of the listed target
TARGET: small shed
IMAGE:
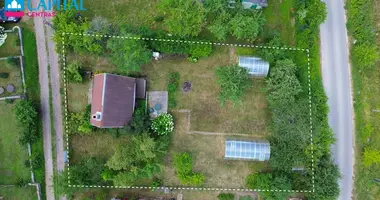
(255, 66)
(256, 150)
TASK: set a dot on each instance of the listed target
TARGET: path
(45, 104)
(337, 83)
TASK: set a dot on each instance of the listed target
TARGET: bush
(13, 61)
(233, 81)
(9, 101)
(26, 116)
(365, 55)
(246, 198)
(80, 122)
(21, 183)
(226, 196)
(200, 50)
(173, 89)
(370, 157)
(163, 124)
(4, 75)
(87, 172)
(73, 72)
(140, 122)
(183, 164)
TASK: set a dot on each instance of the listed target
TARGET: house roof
(113, 100)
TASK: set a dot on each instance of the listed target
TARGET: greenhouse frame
(256, 150)
(255, 66)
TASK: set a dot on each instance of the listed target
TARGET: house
(113, 99)
(256, 150)
(255, 66)
(254, 4)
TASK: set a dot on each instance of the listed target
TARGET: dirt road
(45, 105)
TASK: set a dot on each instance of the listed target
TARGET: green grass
(280, 20)
(134, 12)
(33, 93)
(16, 193)
(12, 155)
(11, 46)
(15, 78)
(206, 112)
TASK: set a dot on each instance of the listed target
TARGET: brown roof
(113, 99)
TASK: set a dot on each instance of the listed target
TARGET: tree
(326, 180)
(98, 26)
(3, 36)
(128, 54)
(226, 196)
(220, 27)
(183, 17)
(140, 158)
(72, 26)
(87, 171)
(247, 25)
(163, 124)
(271, 54)
(73, 72)
(233, 81)
(370, 157)
(25, 113)
(283, 85)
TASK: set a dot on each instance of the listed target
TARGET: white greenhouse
(255, 66)
(256, 150)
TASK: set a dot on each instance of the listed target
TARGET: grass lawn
(206, 112)
(11, 47)
(15, 78)
(12, 155)
(280, 16)
(124, 11)
(16, 193)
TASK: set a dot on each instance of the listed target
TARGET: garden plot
(10, 77)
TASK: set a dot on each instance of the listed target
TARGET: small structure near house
(256, 150)
(157, 103)
(11, 88)
(114, 98)
(255, 66)
(254, 4)
(2, 90)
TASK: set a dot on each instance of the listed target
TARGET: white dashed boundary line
(189, 42)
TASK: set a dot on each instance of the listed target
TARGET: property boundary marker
(191, 42)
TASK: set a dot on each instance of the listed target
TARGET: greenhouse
(255, 66)
(257, 150)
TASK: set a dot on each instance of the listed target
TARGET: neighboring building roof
(254, 3)
(113, 100)
(247, 150)
(255, 66)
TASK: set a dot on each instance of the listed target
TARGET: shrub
(233, 81)
(163, 124)
(9, 101)
(365, 55)
(183, 164)
(4, 75)
(13, 61)
(80, 122)
(26, 116)
(140, 122)
(21, 183)
(173, 89)
(226, 196)
(200, 50)
(73, 72)
(370, 157)
(246, 198)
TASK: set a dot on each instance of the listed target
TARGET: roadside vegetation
(223, 100)
(362, 27)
